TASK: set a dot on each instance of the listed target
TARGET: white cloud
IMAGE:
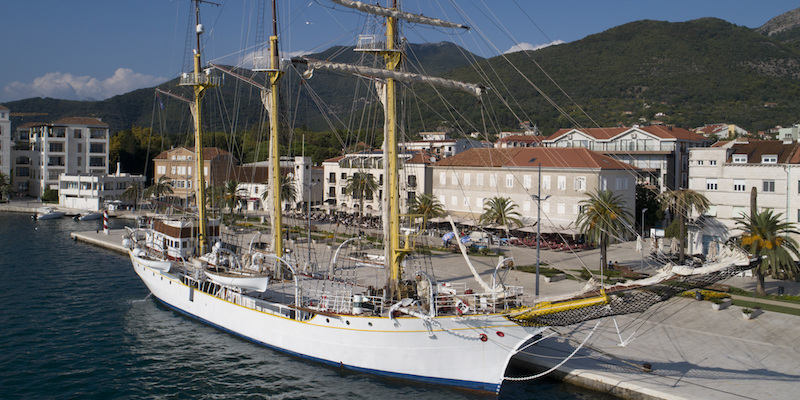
(70, 87)
(527, 46)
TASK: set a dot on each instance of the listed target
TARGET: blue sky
(95, 49)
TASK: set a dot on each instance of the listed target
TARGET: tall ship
(391, 316)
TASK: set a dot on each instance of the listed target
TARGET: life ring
(461, 307)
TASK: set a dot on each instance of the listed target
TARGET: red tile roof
(558, 157)
(663, 132)
(81, 121)
(522, 138)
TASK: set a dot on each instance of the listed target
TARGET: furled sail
(390, 12)
(476, 90)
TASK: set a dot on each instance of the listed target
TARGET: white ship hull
(452, 353)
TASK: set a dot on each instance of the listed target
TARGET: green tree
(427, 206)
(501, 211)
(6, 187)
(132, 193)
(233, 197)
(765, 234)
(681, 202)
(288, 191)
(603, 218)
(160, 188)
(360, 185)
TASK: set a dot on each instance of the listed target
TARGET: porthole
(328, 320)
(347, 322)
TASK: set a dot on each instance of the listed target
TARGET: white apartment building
(727, 172)
(464, 182)
(661, 153)
(441, 145)
(415, 178)
(5, 141)
(307, 178)
(44, 151)
(93, 191)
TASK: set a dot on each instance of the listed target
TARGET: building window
(769, 186)
(412, 181)
(453, 200)
(711, 184)
(546, 182)
(57, 147)
(509, 180)
(493, 180)
(526, 182)
(739, 158)
(343, 175)
(454, 179)
(77, 133)
(562, 183)
(562, 209)
(622, 184)
(712, 162)
(738, 185)
(699, 162)
(580, 183)
(769, 159)
(442, 178)
(466, 179)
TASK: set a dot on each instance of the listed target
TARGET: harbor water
(78, 323)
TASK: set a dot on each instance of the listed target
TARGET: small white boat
(49, 213)
(240, 279)
(89, 216)
(160, 265)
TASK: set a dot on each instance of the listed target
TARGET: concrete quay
(694, 351)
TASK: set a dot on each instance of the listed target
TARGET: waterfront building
(727, 172)
(95, 192)
(415, 178)
(5, 141)
(463, 183)
(253, 181)
(179, 164)
(44, 151)
(661, 153)
(441, 145)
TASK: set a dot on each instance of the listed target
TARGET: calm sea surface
(76, 322)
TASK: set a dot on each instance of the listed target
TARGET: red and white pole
(105, 222)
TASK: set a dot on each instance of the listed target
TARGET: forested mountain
(687, 74)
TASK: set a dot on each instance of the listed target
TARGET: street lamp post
(308, 218)
(538, 199)
(643, 211)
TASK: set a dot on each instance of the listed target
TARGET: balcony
(98, 134)
(192, 79)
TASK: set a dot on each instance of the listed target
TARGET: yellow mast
(275, 176)
(393, 58)
(200, 82)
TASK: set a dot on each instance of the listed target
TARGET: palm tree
(232, 197)
(765, 234)
(604, 217)
(288, 190)
(132, 193)
(681, 202)
(427, 206)
(6, 187)
(160, 188)
(360, 185)
(501, 211)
